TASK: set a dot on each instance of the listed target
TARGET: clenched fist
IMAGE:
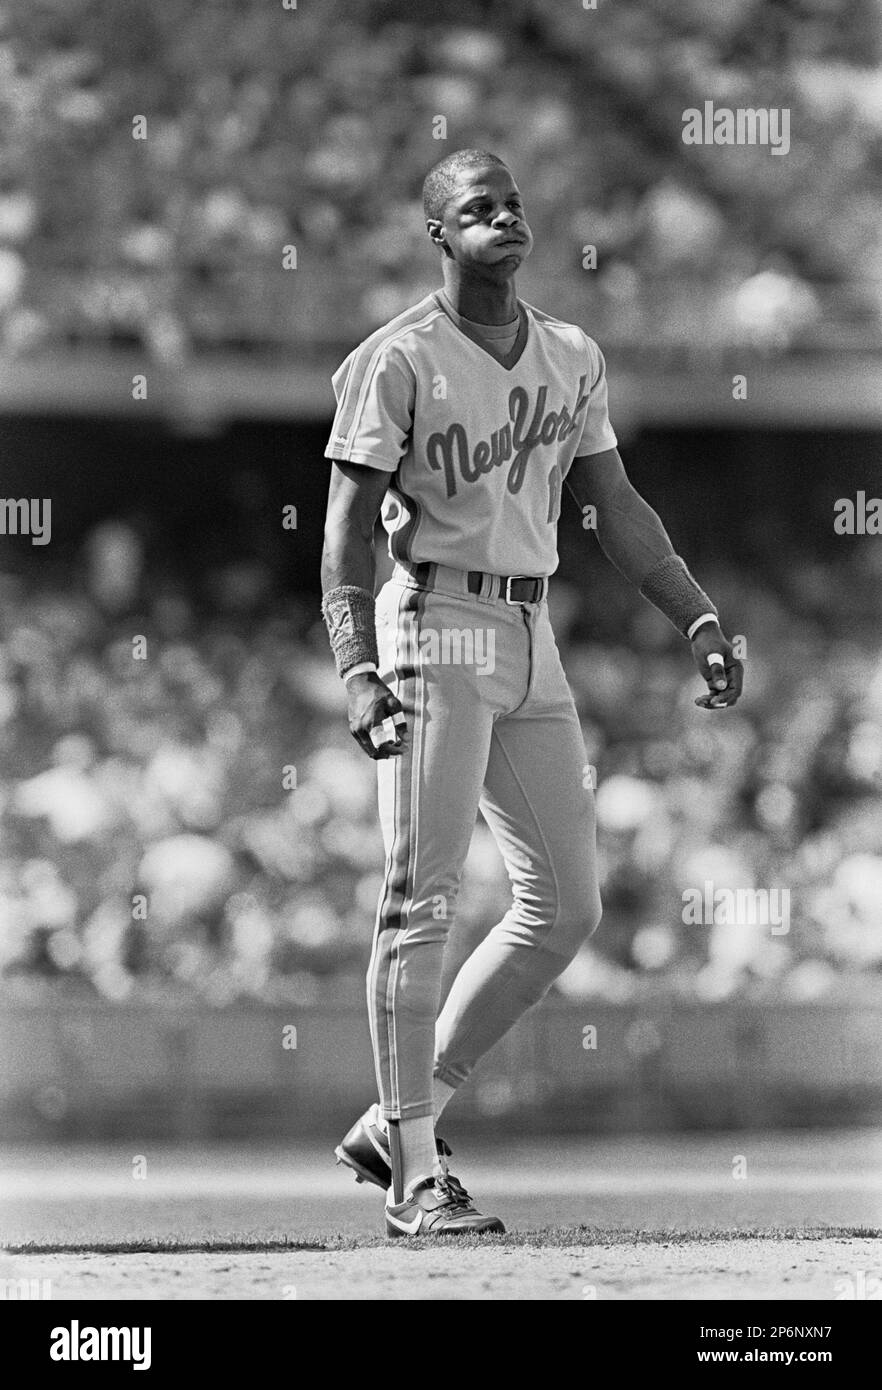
(724, 680)
(370, 702)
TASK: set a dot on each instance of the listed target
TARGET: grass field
(587, 1219)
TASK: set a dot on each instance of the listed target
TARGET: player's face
(484, 224)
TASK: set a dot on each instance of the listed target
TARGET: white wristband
(700, 622)
(358, 668)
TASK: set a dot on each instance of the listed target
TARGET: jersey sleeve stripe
(364, 363)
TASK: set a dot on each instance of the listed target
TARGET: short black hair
(439, 183)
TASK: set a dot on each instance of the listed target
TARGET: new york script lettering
(451, 450)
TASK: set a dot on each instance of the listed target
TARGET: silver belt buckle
(508, 584)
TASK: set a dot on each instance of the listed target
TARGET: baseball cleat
(438, 1206)
(366, 1150)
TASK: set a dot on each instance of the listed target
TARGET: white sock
(419, 1157)
(380, 1119)
(441, 1094)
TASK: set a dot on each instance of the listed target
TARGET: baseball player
(459, 422)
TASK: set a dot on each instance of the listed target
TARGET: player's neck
(478, 300)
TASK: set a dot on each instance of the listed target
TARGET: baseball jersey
(477, 451)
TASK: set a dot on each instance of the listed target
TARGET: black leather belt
(514, 588)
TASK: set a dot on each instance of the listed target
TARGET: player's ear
(435, 228)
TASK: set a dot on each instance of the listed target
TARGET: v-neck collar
(520, 343)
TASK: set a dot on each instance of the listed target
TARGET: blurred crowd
(311, 128)
(183, 812)
(182, 809)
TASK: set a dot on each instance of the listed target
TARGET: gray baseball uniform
(477, 450)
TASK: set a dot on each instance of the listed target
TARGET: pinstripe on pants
(491, 726)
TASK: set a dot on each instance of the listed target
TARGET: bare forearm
(348, 573)
(631, 534)
(354, 500)
(633, 538)
(347, 557)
